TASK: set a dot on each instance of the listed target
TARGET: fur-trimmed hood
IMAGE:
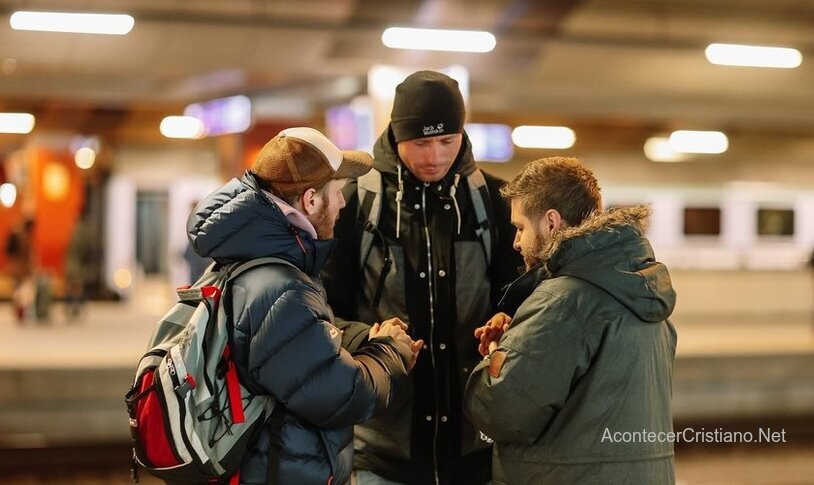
(610, 251)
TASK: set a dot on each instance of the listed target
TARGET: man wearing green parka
(576, 384)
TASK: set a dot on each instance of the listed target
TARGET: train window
(775, 222)
(702, 221)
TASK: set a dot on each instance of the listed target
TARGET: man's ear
(308, 202)
(553, 220)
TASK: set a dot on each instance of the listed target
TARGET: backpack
(191, 419)
(369, 190)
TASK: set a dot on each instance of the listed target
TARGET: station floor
(114, 335)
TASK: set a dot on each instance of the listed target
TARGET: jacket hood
(386, 156)
(239, 222)
(610, 251)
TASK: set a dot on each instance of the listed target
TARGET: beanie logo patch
(433, 129)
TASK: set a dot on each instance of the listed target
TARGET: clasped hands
(397, 329)
(489, 335)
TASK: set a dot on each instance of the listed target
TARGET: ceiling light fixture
(658, 149)
(79, 23)
(438, 39)
(19, 123)
(182, 127)
(753, 56)
(85, 158)
(557, 137)
(8, 194)
(689, 141)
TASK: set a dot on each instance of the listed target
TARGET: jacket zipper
(432, 331)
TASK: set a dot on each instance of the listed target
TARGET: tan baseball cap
(301, 158)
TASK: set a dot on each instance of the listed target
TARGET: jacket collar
(516, 292)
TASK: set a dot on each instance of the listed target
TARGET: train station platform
(62, 383)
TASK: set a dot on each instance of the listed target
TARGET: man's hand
(389, 329)
(416, 347)
(395, 328)
(489, 335)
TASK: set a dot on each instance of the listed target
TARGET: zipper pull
(293, 230)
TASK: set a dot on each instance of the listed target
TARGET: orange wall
(54, 217)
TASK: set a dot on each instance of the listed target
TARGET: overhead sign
(223, 116)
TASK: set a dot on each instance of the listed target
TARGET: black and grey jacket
(284, 341)
(442, 284)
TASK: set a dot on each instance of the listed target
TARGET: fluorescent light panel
(753, 56)
(182, 127)
(658, 149)
(689, 141)
(438, 40)
(557, 137)
(79, 23)
(18, 123)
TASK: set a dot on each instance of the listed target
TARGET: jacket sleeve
(340, 275)
(543, 352)
(296, 356)
(505, 260)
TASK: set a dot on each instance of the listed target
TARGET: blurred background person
(80, 266)
(19, 254)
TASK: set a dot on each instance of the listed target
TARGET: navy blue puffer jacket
(285, 343)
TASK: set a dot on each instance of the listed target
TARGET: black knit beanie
(427, 103)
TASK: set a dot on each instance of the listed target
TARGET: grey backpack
(191, 419)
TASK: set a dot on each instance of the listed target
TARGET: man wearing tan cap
(284, 341)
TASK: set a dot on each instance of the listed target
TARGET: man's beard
(323, 225)
(535, 255)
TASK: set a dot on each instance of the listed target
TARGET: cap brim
(354, 164)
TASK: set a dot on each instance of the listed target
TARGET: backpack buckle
(186, 386)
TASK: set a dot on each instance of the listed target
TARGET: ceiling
(597, 62)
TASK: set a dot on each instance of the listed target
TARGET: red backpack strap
(233, 388)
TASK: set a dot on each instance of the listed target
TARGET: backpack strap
(275, 421)
(369, 191)
(237, 269)
(275, 427)
(479, 192)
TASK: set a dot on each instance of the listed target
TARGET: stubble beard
(534, 256)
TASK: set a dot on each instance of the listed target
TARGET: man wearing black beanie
(425, 237)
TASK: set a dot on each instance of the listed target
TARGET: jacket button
(465, 370)
(422, 275)
(425, 346)
(442, 346)
(442, 273)
(447, 206)
(438, 188)
(417, 206)
(443, 419)
(429, 418)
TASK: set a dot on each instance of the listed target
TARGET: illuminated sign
(223, 116)
(490, 142)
